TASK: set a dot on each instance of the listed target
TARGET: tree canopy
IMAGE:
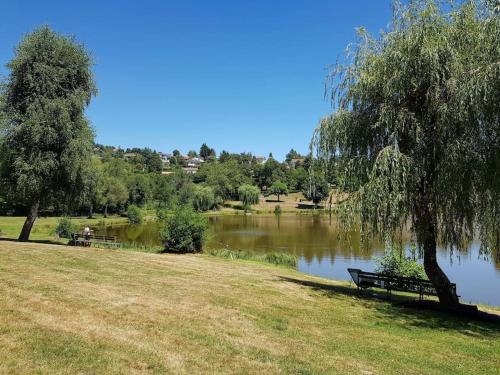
(248, 195)
(415, 137)
(278, 188)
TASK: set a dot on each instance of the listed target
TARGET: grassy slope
(72, 310)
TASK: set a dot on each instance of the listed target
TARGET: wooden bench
(365, 280)
(81, 240)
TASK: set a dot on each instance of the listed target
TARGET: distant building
(129, 155)
(190, 170)
(297, 162)
(194, 162)
(165, 159)
(260, 159)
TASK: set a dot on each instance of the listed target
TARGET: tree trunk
(278, 197)
(105, 210)
(91, 211)
(446, 294)
(28, 223)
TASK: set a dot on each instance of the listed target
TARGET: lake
(323, 250)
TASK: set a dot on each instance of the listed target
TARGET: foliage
(278, 188)
(161, 214)
(277, 210)
(112, 192)
(296, 178)
(271, 171)
(48, 141)
(207, 152)
(317, 188)
(203, 198)
(292, 154)
(394, 264)
(248, 195)
(134, 214)
(65, 227)
(415, 135)
(184, 231)
(224, 178)
(279, 259)
(139, 189)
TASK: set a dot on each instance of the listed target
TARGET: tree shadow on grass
(407, 311)
(45, 242)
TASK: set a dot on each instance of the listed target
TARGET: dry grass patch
(71, 310)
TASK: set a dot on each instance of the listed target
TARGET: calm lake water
(323, 251)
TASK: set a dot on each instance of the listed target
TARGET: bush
(277, 210)
(162, 214)
(65, 227)
(134, 214)
(184, 231)
(395, 265)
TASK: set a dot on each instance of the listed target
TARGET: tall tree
(48, 139)
(207, 152)
(416, 137)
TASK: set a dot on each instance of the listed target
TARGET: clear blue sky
(239, 75)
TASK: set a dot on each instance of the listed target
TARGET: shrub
(396, 265)
(65, 227)
(161, 214)
(277, 210)
(184, 231)
(134, 214)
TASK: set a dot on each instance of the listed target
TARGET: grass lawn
(70, 310)
(43, 229)
(288, 203)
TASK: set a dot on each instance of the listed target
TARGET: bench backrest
(409, 284)
(96, 237)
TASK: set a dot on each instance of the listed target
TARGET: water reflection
(324, 250)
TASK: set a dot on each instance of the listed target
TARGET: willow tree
(48, 141)
(415, 135)
(248, 195)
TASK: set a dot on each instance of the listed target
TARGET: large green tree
(416, 135)
(278, 188)
(48, 140)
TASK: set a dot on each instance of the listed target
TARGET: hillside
(69, 310)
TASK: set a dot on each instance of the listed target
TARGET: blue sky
(238, 75)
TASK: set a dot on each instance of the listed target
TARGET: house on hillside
(194, 162)
(165, 160)
(297, 162)
(190, 170)
(129, 156)
(260, 160)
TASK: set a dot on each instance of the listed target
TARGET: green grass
(276, 258)
(66, 310)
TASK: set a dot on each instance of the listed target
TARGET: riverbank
(69, 310)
